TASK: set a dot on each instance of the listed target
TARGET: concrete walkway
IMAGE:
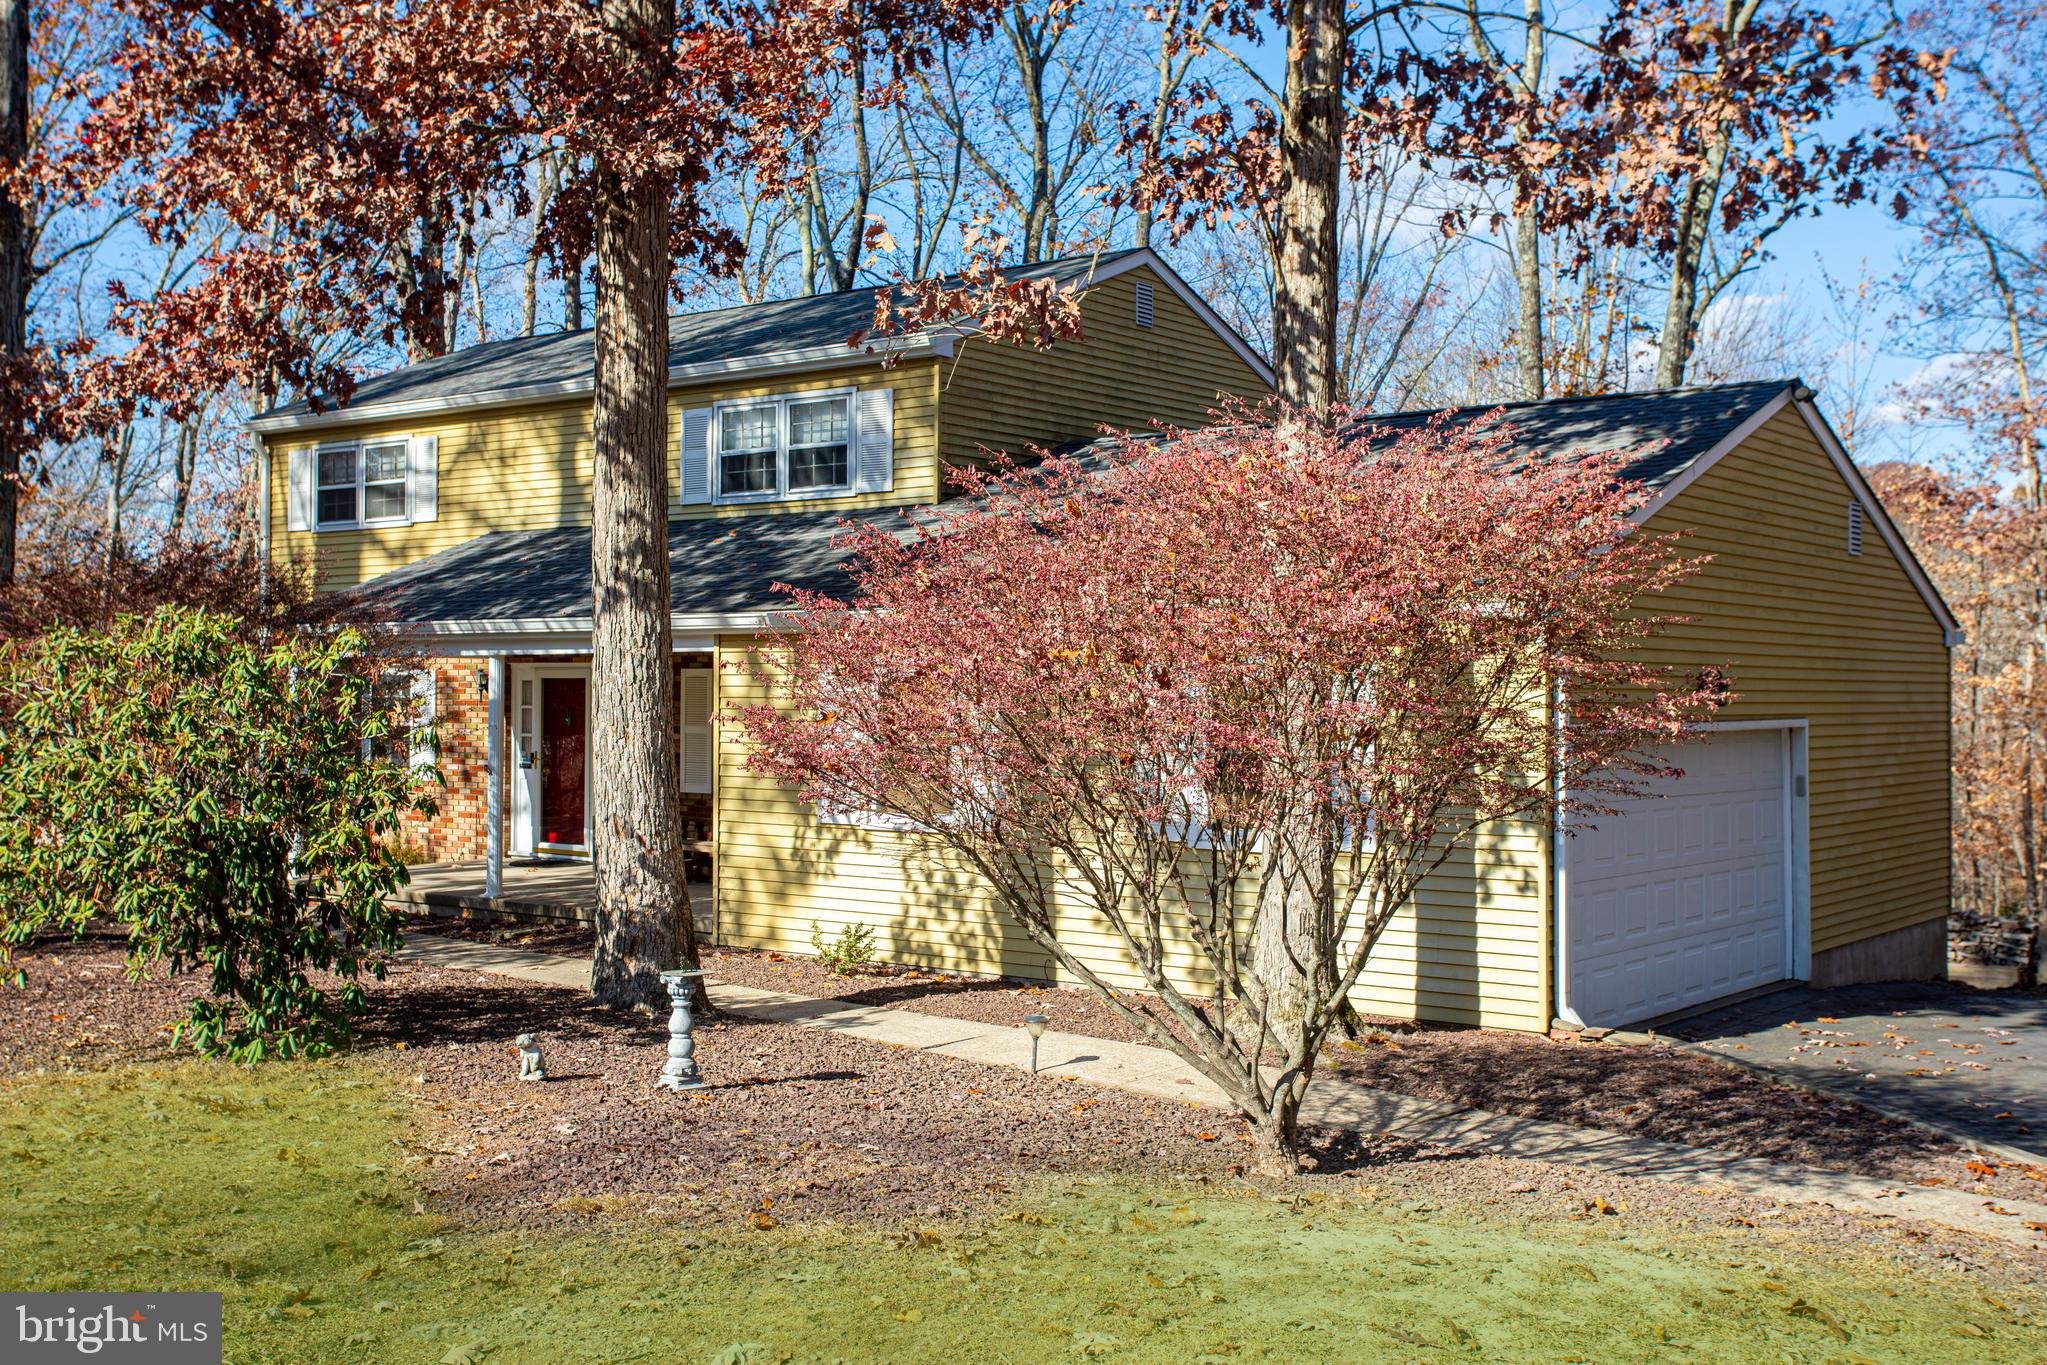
(1331, 1103)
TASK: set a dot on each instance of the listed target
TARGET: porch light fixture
(1034, 1024)
(680, 1072)
(482, 682)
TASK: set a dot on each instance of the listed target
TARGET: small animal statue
(530, 1067)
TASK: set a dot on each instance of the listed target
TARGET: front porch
(530, 889)
(515, 812)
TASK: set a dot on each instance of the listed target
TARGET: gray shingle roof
(1669, 428)
(724, 565)
(716, 565)
(720, 336)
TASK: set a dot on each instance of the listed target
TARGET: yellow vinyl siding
(1846, 642)
(520, 469)
(1475, 950)
(1008, 398)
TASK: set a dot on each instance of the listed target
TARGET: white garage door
(1681, 899)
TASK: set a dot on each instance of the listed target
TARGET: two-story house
(1809, 843)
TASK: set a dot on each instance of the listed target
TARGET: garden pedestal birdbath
(680, 1072)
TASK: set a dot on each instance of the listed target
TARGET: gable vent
(1854, 528)
(1143, 304)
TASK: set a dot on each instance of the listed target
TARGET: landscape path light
(1035, 1025)
(680, 1072)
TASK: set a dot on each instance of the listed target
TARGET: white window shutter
(423, 704)
(874, 426)
(694, 478)
(696, 730)
(423, 500)
(302, 472)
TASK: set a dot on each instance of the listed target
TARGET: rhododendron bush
(1234, 689)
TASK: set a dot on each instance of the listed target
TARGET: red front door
(564, 743)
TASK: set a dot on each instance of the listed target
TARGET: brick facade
(457, 832)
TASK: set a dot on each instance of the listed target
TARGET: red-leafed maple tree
(1113, 692)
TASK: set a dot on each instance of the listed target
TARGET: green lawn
(284, 1188)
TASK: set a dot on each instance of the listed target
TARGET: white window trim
(357, 449)
(780, 402)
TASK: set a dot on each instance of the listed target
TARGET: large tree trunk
(643, 916)
(1304, 338)
(1311, 161)
(14, 262)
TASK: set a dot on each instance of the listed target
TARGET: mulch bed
(78, 1009)
(1655, 1092)
(799, 1123)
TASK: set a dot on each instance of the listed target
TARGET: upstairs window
(378, 482)
(820, 442)
(383, 482)
(785, 447)
(747, 445)
(363, 485)
(337, 487)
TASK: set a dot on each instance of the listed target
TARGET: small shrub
(231, 801)
(846, 954)
(406, 852)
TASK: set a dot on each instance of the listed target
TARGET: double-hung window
(338, 486)
(799, 446)
(749, 445)
(362, 485)
(820, 445)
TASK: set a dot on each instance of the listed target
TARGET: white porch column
(494, 799)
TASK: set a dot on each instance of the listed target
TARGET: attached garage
(1807, 839)
(1693, 891)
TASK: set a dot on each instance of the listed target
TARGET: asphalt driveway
(1971, 1064)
